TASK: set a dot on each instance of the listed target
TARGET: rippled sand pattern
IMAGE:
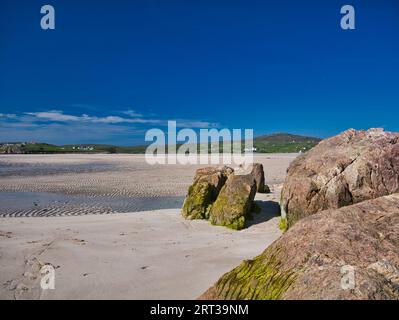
(124, 178)
(93, 175)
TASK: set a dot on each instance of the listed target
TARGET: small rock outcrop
(203, 192)
(346, 253)
(349, 168)
(259, 175)
(234, 203)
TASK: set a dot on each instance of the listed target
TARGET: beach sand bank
(134, 255)
(145, 255)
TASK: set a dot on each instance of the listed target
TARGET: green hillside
(275, 143)
(284, 143)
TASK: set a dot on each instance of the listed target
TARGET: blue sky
(113, 69)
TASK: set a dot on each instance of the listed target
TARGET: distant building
(83, 148)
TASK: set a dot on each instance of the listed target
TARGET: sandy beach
(131, 253)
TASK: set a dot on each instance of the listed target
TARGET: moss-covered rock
(259, 279)
(204, 191)
(200, 196)
(234, 203)
(282, 225)
(259, 175)
(312, 259)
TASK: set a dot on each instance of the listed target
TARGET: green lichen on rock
(200, 198)
(208, 210)
(234, 203)
(259, 279)
(283, 226)
(204, 191)
(259, 176)
(235, 224)
(230, 210)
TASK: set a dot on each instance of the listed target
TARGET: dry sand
(141, 255)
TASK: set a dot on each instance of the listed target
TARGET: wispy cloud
(66, 133)
(8, 115)
(132, 113)
(196, 124)
(53, 116)
(57, 126)
(60, 116)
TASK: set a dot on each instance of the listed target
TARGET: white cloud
(196, 124)
(8, 115)
(132, 113)
(55, 126)
(54, 115)
(74, 132)
(60, 116)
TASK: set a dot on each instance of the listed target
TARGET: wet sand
(111, 175)
(46, 204)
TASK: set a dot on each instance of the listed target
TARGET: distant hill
(45, 148)
(284, 143)
(274, 143)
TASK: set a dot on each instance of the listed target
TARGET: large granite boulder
(203, 192)
(259, 175)
(346, 253)
(349, 168)
(234, 203)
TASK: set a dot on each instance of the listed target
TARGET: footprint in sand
(7, 235)
(79, 241)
